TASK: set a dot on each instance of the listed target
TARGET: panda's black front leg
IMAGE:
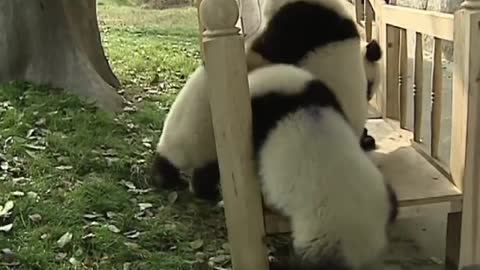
(367, 142)
(206, 182)
(165, 175)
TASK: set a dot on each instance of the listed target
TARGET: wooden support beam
(226, 67)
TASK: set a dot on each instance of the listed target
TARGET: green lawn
(76, 176)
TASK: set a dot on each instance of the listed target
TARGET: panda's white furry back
(312, 169)
(322, 37)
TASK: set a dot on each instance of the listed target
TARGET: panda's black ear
(373, 51)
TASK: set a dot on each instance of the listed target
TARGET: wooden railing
(394, 98)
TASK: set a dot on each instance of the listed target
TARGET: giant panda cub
(372, 55)
(187, 142)
(313, 170)
(322, 37)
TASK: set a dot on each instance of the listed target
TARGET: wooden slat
(368, 19)
(393, 98)
(436, 24)
(417, 183)
(418, 89)
(359, 10)
(403, 78)
(380, 95)
(436, 113)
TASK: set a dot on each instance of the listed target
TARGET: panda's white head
(373, 53)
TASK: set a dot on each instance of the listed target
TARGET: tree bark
(57, 42)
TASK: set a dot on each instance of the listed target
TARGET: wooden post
(200, 28)
(381, 95)
(465, 161)
(226, 67)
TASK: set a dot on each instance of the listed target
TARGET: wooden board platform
(417, 182)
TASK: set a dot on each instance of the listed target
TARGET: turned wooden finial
(470, 4)
(219, 17)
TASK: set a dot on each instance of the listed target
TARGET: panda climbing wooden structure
(420, 183)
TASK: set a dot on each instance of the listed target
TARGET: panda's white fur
(188, 125)
(337, 62)
(339, 215)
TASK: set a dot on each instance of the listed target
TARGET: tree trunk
(57, 42)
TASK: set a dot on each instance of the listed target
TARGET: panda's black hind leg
(206, 181)
(165, 175)
(367, 142)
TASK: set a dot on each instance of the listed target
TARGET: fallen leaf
(5, 210)
(113, 228)
(90, 235)
(144, 206)
(35, 218)
(60, 256)
(35, 147)
(91, 216)
(6, 228)
(132, 234)
(65, 239)
(128, 184)
(4, 165)
(197, 244)
(126, 266)
(18, 193)
(64, 168)
(32, 195)
(131, 245)
(111, 215)
(73, 261)
(172, 197)
(8, 255)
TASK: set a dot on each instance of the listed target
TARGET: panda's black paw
(367, 142)
(205, 182)
(165, 175)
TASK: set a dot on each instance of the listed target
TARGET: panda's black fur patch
(206, 181)
(164, 174)
(272, 107)
(284, 39)
(367, 142)
(373, 51)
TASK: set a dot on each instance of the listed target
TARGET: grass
(76, 175)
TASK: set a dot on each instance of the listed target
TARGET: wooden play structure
(420, 178)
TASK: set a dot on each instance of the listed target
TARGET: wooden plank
(415, 180)
(403, 78)
(466, 49)
(200, 30)
(229, 97)
(437, 89)
(418, 89)
(393, 97)
(436, 24)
